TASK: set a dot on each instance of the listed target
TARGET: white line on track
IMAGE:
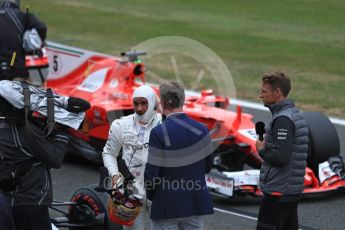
(235, 214)
(238, 214)
(337, 121)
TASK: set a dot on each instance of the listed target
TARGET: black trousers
(31, 218)
(275, 214)
(6, 217)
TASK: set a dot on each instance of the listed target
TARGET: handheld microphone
(260, 129)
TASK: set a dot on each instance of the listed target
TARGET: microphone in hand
(260, 129)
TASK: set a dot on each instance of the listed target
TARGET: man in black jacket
(284, 152)
(30, 146)
(12, 54)
(36, 155)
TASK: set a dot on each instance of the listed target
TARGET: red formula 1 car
(108, 82)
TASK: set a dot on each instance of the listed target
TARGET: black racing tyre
(90, 204)
(323, 138)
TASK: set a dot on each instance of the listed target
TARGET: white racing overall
(133, 138)
(126, 133)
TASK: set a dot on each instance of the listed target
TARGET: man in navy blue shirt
(180, 154)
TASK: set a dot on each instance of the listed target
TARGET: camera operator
(29, 152)
(34, 157)
(13, 24)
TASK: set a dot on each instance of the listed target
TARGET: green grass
(304, 38)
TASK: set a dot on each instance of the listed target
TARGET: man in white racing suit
(131, 134)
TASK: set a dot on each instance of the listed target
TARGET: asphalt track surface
(236, 214)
